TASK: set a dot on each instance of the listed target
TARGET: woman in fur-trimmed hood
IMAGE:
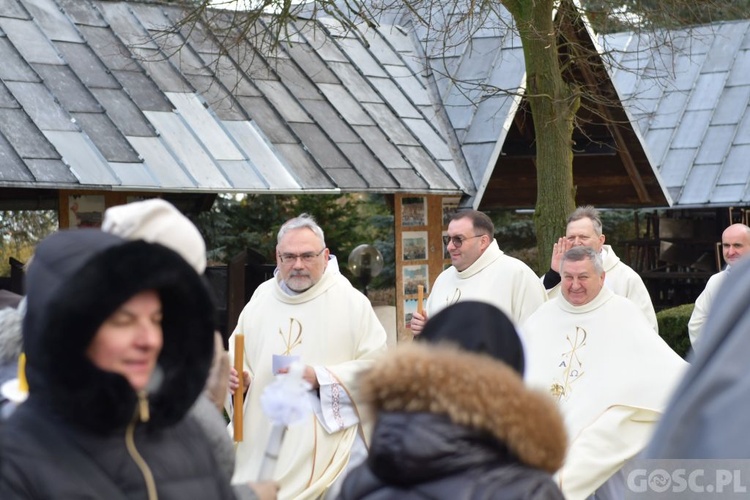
(456, 421)
(99, 423)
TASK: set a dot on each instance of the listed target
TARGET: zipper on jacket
(141, 414)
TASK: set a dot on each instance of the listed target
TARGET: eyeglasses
(457, 240)
(306, 258)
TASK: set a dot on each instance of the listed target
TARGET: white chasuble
(333, 328)
(495, 278)
(611, 376)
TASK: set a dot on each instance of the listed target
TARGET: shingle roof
(98, 94)
(686, 93)
(479, 74)
(104, 95)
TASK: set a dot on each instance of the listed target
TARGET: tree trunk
(553, 107)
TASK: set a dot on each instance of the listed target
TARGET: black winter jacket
(69, 439)
(454, 425)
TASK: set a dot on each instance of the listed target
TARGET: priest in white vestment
(735, 242)
(308, 309)
(481, 272)
(706, 421)
(596, 353)
(585, 229)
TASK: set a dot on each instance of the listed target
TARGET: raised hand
(562, 246)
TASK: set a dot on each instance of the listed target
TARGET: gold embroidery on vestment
(288, 342)
(572, 364)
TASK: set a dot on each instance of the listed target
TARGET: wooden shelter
(103, 102)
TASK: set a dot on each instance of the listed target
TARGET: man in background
(735, 242)
(481, 272)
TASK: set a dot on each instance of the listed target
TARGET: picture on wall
(413, 277)
(414, 245)
(414, 211)
(410, 307)
(450, 205)
(85, 210)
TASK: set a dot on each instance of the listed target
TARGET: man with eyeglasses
(585, 229)
(310, 310)
(481, 271)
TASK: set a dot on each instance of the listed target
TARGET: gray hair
(580, 253)
(300, 222)
(587, 211)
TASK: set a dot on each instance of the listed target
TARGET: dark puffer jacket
(456, 425)
(69, 438)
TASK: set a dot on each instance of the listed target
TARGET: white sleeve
(334, 409)
(698, 317)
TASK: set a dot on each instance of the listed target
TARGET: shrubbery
(673, 327)
(237, 223)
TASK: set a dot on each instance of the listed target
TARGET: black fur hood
(75, 281)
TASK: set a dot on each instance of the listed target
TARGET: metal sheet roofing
(696, 116)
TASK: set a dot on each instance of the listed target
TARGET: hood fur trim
(76, 280)
(473, 390)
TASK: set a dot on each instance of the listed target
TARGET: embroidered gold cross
(449, 301)
(294, 327)
(570, 375)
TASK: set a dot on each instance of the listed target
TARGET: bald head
(735, 242)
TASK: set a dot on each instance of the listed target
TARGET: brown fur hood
(472, 390)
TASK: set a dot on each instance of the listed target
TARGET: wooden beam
(591, 81)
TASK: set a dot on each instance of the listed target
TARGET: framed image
(450, 206)
(410, 307)
(413, 277)
(446, 254)
(85, 210)
(414, 211)
(414, 245)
